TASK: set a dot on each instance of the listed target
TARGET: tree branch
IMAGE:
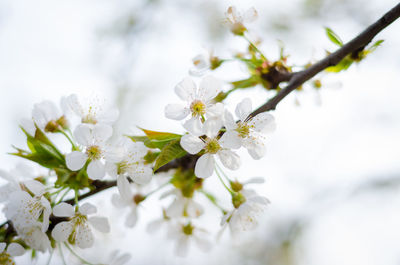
(355, 44)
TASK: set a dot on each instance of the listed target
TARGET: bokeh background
(333, 165)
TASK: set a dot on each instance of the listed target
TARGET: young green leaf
(169, 152)
(333, 37)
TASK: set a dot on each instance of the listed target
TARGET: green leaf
(155, 139)
(150, 157)
(170, 151)
(375, 45)
(245, 83)
(342, 65)
(333, 37)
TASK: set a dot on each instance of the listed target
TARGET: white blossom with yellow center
(248, 132)
(93, 138)
(78, 229)
(199, 103)
(212, 146)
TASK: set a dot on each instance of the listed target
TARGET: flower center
(5, 258)
(94, 152)
(212, 146)
(35, 208)
(198, 108)
(79, 219)
(238, 199)
(243, 129)
(187, 229)
(138, 198)
(51, 126)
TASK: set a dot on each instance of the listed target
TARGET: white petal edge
(76, 160)
(204, 166)
(63, 210)
(192, 144)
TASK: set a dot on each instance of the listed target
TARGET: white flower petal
(2, 246)
(87, 208)
(76, 160)
(230, 139)
(73, 103)
(257, 152)
(176, 111)
(83, 134)
(112, 169)
(229, 121)
(96, 170)
(229, 159)
(194, 209)
(255, 180)
(215, 110)
(15, 249)
(182, 246)
(192, 144)
(124, 188)
(63, 210)
(204, 166)
(101, 132)
(62, 231)
(250, 15)
(243, 109)
(35, 187)
(142, 174)
(117, 201)
(84, 237)
(131, 218)
(212, 127)
(263, 122)
(194, 126)
(108, 117)
(29, 126)
(100, 223)
(202, 243)
(186, 89)
(123, 259)
(209, 88)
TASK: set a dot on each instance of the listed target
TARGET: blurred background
(333, 165)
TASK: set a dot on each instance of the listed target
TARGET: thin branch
(354, 45)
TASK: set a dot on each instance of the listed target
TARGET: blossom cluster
(46, 210)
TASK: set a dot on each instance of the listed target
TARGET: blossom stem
(51, 255)
(212, 199)
(74, 147)
(157, 189)
(77, 256)
(223, 174)
(76, 198)
(62, 254)
(62, 197)
(222, 181)
(255, 47)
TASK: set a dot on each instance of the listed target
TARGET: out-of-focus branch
(356, 44)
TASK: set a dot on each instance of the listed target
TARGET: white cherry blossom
(183, 206)
(199, 103)
(78, 229)
(47, 116)
(90, 112)
(161, 223)
(25, 210)
(204, 62)
(34, 237)
(93, 138)
(126, 159)
(13, 250)
(15, 179)
(185, 234)
(212, 146)
(236, 19)
(248, 132)
(248, 208)
(126, 199)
